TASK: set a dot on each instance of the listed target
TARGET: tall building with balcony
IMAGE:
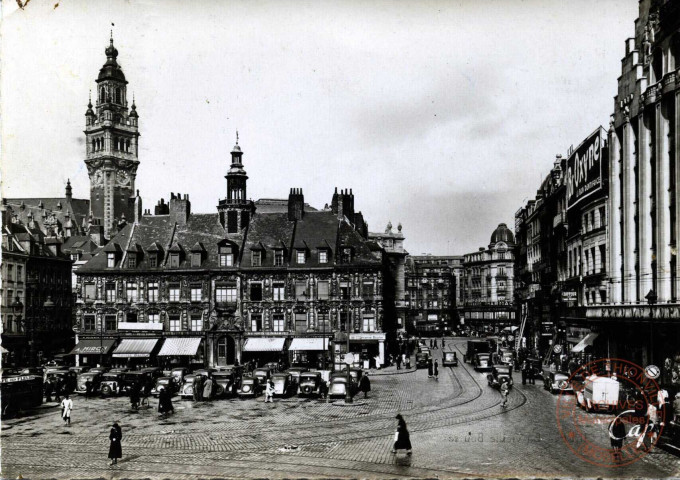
(488, 284)
(431, 286)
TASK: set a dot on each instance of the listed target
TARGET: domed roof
(111, 69)
(502, 234)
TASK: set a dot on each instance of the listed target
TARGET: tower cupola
(235, 210)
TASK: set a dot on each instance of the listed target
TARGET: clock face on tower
(98, 178)
(123, 178)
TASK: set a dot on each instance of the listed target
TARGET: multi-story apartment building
(488, 288)
(431, 286)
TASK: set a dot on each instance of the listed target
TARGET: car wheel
(106, 390)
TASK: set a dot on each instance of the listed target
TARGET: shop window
(256, 322)
(278, 324)
(110, 290)
(256, 292)
(278, 258)
(90, 291)
(152, 288)
(131, 291)
(110, 322)
(173, 293)
(279, 290)
(322, 288)
(175, 323)
(300, 322)
(196, 293)
(196, 323)
(88, 322)
(301, 290)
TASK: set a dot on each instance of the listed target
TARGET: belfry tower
(235, 211)
(111, 133)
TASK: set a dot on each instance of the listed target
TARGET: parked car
(178, 374)
(340, 385)
(263, 374)
(154, 372)
(450, 359)
(206, 372)
(187, 390)
(422, 360)
(227, 382)
(474, 347)
(32, 371)
(481, 362)
(296, 372)
(95, 379)
(506, 356)
(164, 383)
(283, 384)
(111, 384)
(535, 368)
(79, 369)
(356, 374)
(273, 366)
(250, 387)
(63, 381)
(600, 393)
(499, 375)
(310, 383)
(143, 379)
(559, 382)
(99, 369)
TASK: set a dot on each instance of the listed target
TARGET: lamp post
(18, 308)
(651, 300)
(48, 307)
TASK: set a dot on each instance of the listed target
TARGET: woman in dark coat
(365, 385)
(402, 439)
(115, 450)
(617, 433)
(429, 368)
(435, 370)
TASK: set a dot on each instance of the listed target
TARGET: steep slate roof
(276, 205)
(269, 229)
(28, 210)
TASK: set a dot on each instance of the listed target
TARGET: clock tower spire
(111, 133)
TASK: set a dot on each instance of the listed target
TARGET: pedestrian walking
(398, 362)
(429, 368)
(115, 449)
(617, 432)
(505, 391)
(407, 362)
(651, 429)
(435, 370)
(269, 392)
(66, 407)
(134, 396)
(365, 385)
(403, 359)
(88, 388)
(443, 343)
(207, 389)
(525, 369)
(48, 392)
(435, 344)
(431, 343)
(197, 387)
(402, 439)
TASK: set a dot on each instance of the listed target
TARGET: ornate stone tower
(111, 134)
(235, 210)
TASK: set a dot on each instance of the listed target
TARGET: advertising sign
(584, 168)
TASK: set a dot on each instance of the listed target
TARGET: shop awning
(93, 346)
(180, 347)
(510, 329)
(308, 344)
(135, 347)
(264, 344)
(587, 341)
(3, 350)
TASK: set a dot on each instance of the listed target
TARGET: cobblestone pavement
(457, 425)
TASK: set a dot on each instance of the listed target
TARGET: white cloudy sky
(443, 116)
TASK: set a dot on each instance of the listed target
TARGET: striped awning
(135, 347)
(264, 344)
(92, 345)
(586, 342)
(309, 344)
(181, 346)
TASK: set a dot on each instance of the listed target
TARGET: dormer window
(132, 260)
(196, 259)
(110, 260)
(346, 255)
(278, 257)
(300, 256)
(153, 260)
(256, 258)
(323, 256)
(226, 256)
(174, 260)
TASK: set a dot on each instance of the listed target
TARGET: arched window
(102, 94)
(118, 96)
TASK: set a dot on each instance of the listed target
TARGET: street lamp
(48, 306)
(651, 297)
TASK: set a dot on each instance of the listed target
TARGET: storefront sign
(144, 326)
(584, 168)
(569, 296)
(432, 317)
(367, 336)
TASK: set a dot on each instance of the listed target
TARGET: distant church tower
(112, 135)
(235, 210)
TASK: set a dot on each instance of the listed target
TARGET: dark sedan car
(310, 383)
(164, 383)
(112, 384)
(95, 379)
(250, 387)
(226, 383)
(450, 359)
(422, 360)
(482, 361)
(499, 375)
(283, 384)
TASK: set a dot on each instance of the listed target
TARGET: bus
(20, 392)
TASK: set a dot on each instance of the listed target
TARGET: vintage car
(506, 356)
(356, 374)
(143, 379)
(558, 382)
(482, 361)
(422, 360)
(474, 347)
(178, 374)
(310, 383)
(296, 372)
(187, 389)
(63, 381)
(424, 349)
(99, 369)
(283, 384)
(340, 384)
(206, 372)
(602, 393)
(250, 387)
(111, 384)
(153, 372)
(535, 368)
(499, 375)
(79, 369)
(263, 374)
(226, 382)
(164, 383)
(95, 379)
(273, 366)
(450, 359)
(32, 371)
(47, 370)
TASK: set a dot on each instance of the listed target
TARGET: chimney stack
(296, 204)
